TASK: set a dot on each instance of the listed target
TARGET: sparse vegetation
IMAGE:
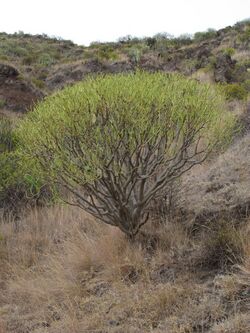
(200, 36)
(163, 51)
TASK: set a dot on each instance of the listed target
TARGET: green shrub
(200, 36)
(134, 55)
(13, 49)
(229, 51)
(20, 182)
(46, 60)
(8, 165)
(117, 142)
(234, 91)
(107, 53)
(6, 135)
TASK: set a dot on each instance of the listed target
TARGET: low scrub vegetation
(34, 55)
(200, 36)
(235, 91)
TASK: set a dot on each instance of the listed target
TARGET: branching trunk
(128, 183)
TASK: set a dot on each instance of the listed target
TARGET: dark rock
(114, 322)
(203, 52)
(18, 94)
(7, 71)
(223, 68)
(77, 72)
(94, 66)
(119, 67)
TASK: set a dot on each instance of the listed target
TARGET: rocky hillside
(33, 66)
(16, 93)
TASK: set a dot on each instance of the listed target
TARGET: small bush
(184, 39)
(20, 184)
(229, 51)
(234, 91)
(46, 60)
(14, 50)
(222, 246)
(200, 36)
(107, 53)
(134, 55)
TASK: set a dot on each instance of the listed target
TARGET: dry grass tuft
(218, 190)
(240, 323)
(63, 272)
(204, 75)
(222, 245)
(241, 55)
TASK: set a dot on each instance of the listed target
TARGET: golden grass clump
(61, 271)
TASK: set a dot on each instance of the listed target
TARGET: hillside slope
(188, 271)
(46, 64)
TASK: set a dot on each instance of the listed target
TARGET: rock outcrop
(223, 68)
(75, 72)
(7, 71)
(16, 93)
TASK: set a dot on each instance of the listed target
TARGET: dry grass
(204, 76)
(220, 188)
(61, 271)
(240, 323)
(241, 55)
